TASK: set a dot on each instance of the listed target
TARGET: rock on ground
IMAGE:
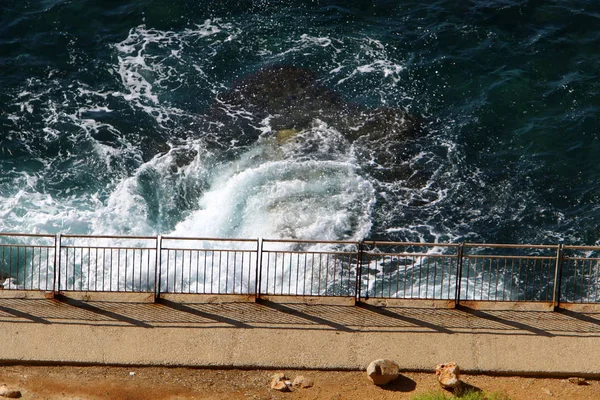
(383, 371)
(448, 375)
(303, 382)
(5, 391)
(280, 382)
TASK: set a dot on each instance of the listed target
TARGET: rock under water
(284, 100)
(292, 98)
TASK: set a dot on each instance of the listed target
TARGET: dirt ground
(115, 383)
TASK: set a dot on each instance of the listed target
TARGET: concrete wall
(275, 335)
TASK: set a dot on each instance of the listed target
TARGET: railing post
(158, 268)
(258, 272)
(358, 282)
(459, 265)
(57, 251)
(557, 276)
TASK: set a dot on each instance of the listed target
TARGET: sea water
(105, 120)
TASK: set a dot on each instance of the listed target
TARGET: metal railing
(409, 270)
(207, 265)
(29, 265)
(371, 269)
(308, 268)
(105, 263)
(578, 278)
(508, 273)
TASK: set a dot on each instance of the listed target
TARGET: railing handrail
(310, 241)
(40, 235)
(49, 245)
(494, 256)
(407, 244)
(579, 247)
(207, 250)
(74, 246)
(126, 237)
(512, 246)
(353, 272)
(207, 239)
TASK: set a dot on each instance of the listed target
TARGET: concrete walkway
(287, 335)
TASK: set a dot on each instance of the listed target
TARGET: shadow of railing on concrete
(298, 316)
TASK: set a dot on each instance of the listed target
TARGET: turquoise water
(125, 118)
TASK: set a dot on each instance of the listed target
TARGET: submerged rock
(285, 135)
(292, 98)
(280, 113)
(281, 102)
(383, 371)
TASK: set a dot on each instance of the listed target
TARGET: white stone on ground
(280, 382)
(303, 382)
(5, 391)
(448, 375)
(383, 371)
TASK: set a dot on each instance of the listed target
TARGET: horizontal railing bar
(438, 255)
(497, 257)
(29, 246)
(309, 241)
(209, 239)
(39, 235)
(105, 247)
(310, 252)
(411, 244)
(97, 291)
(210, 250)
(507, 301)
(567, 247)
(488, 245)
(582, 258)
(513, 246)
(71, 236)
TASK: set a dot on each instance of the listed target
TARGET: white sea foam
(286, 190)
(372, 60)
(151, 62)
(267, 193)
(274, 190)
(306, 41)
(282, 199)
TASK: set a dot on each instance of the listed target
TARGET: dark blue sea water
(127, 117)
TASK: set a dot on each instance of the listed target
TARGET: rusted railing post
(57, 251)
(358, 282)
(557, 276)
(158, 268)
(258, 272)
(459, 265)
